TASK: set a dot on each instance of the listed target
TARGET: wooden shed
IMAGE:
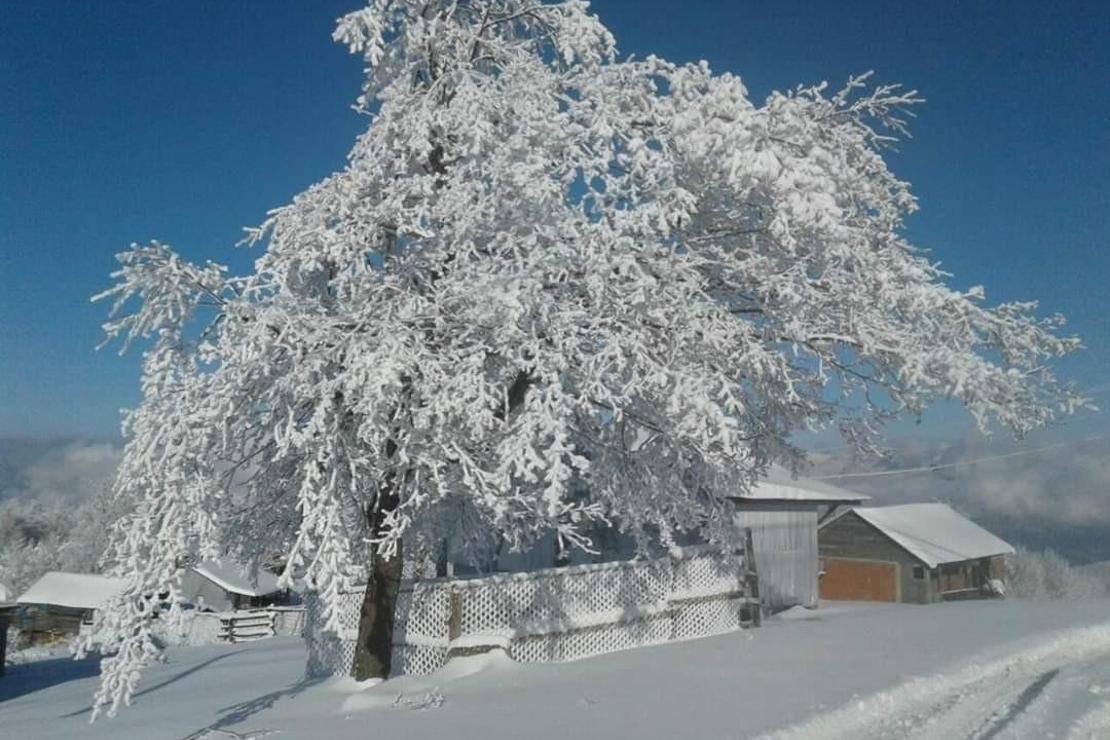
(913, 553)
(782, 511)
(57, 604)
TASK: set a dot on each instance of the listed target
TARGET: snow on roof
(934, 533)
(781, 485)
(74, 590)
(5, 594)
(235, 578)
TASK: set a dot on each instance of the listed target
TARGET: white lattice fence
(556, 614)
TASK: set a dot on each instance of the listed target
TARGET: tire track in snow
(1094, 725)
(976, 711)
(976, 702)
(1027, 697)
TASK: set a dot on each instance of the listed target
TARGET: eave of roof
(781, 486)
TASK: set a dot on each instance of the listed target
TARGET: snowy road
(1059, 688)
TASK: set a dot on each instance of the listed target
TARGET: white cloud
(1067, 486)
(55, 468)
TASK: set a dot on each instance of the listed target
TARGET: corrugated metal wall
(785, 540)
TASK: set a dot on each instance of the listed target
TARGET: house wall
(851, 537)
(784, 537)
(203, 593)
(540, 555)
(196, 589)
(998, 567)
(956, 579)
(44, 623)
(969, 579)
(610, 544)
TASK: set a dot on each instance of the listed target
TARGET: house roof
(782, 485)
(235, 578)
(74, 590)
(934, 533)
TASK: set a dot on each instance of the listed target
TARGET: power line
(969, 424)
(945, 466)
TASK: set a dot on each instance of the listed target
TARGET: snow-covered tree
(53, 533)
(33, 534)
(1047, 575)
(549, 289)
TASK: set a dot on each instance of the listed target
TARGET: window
(919, 572)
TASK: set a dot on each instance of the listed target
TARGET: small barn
(912, 553)
(57, 604)
(227, 586)
(782, 511)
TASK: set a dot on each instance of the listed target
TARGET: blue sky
(185, 122)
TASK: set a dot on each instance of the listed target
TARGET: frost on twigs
(549, 291)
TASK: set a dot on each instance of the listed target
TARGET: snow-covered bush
(1047, 575)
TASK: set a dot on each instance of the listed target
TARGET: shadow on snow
(26, 678)
(172, 679)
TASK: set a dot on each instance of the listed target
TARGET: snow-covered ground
(967, 670)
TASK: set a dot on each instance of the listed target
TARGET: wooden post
(454, 619)
(752, 578)
(3, 638)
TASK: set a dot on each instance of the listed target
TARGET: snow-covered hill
(963, 670)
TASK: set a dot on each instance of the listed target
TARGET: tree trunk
(374, 649)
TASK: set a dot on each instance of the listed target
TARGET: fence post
(751, 576)
(4, 612)
(454, 619)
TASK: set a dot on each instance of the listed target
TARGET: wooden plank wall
(849, 536)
